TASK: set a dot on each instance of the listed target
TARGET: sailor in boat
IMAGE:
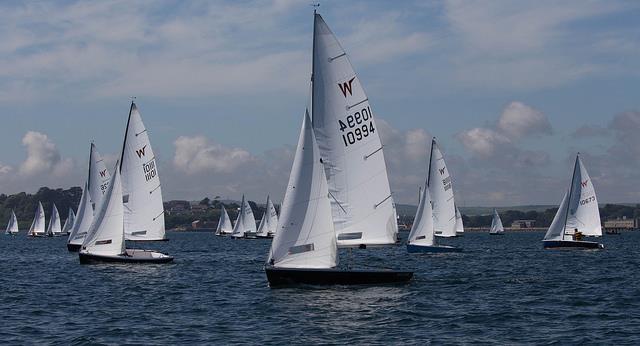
(577, 235)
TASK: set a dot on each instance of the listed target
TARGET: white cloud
(43, 156)
(197, 155)
(482, 141)
(519, 120)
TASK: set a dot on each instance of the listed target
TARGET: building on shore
(523, 224)
(621, 224)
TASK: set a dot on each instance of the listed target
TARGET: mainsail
(496, 224)
(459, 224)
(106, 233)
(305, 236)
(578, 209)
(12, 226)
(422, 231)
(269, 222)
(142, 195)
(245, 222)
(350, 147)
(38, 224)
(224, 223)
(54, 222)
(441, 190)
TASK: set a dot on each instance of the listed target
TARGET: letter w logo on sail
(584, 183)
(441, 170)
(103, 173)
(346, 86)
(140, 152)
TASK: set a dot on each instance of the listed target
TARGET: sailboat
(143, 209)
(68, 223)
(362, 206)
(577, 215)
(496, 224)
(422, 237)
(459, 224)
(245, 226)
(12, 226)
(37, 228)
(304, 249)
(269, 222)
(224, 223)
(54, 229)
(441, 190)
(98, 178)
(105, 240)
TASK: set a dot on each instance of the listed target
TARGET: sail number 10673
(358, 125)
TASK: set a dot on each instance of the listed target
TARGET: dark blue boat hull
(571, 244)
(411, 248)
(283, 277)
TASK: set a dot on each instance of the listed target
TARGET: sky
(512, 90)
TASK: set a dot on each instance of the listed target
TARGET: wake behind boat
(105, 241)
(577, 216)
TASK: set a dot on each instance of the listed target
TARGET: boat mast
(313, 53)
(126, 132)
(566, 215)
(433, 141)
(90, 160)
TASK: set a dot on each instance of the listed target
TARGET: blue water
(502, 289)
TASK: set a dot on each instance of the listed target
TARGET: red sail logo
(346, 86)
(140, 152)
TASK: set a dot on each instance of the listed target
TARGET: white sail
(441, 190)
(245, 222)
(68, 223)
(106, 233)
(305, 236)
(350, 147)
(38, 224)
(269, 222)
(143, 209)
(459, 224)
(556, 229)
(12, 226)
(583, 214)
(496, 224)
(83, 219)
(423, 231)
(224, 223)
(99, 177)
(54, 222)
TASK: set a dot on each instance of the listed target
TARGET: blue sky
(511, 89)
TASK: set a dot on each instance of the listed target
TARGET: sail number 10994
(358, 126)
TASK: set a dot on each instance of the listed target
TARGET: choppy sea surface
(501, 290)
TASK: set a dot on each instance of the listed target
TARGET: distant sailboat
(441, 190)
(105, 240)
(459, 224)
(577, 216)
(224, 223)
(304, 249)
(37, 228)
(68, 223)
(245, 226)
(12, 226)
(269, 222)
(422, 237)
(143, 209)
(54, 229)
(98, 178)
(496, 224)
(362, 205)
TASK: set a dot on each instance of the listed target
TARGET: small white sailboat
(68, 223)
(37, 228)
(98, 178)
(577, 215)
(12, 226)
(143, 209)
(269, 222)
(441, 190)
(224, 223)
(362, 204)
(422, 238)
(496, 224)
(304, 249)
(105, 241)
(245, 226)
(54, 229)
(459, 224)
